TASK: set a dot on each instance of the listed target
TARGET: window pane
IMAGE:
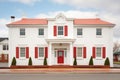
(7, 47)
(41, 31)
(98, 52)
(4, 47)
(22, 31)
(41, 52)
(22, 52)
(79, 52)
(79, 31)
(99, 32)
(60, 30)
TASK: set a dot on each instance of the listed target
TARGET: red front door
(60, 56)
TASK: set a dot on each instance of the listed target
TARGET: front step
(60, 66)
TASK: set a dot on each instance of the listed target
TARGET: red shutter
(93, 52)
(55, 30)
(74, 52)
(17, 52)
(65, 30)
(84, 52)
(36, 52)
(104, 52)
(27, 52)
(46, 52)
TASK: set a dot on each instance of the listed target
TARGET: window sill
(99, 58)
(79, 36)
(41, 36)
(22, 36)
(98, 36)
(22, 58)
(41, 58)
(79, 58)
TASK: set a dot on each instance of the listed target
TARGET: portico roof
(60, 40)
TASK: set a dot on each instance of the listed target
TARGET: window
(22, 31)
(98, 31)
(60, 30)
(5, 47)
(41, 32)
(79, 52)
(22, 52)
(79, 32)
(41, 52)
(98, 52)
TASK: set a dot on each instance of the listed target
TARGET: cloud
(69, 14)
(29, 2)
(3, 28)
(102, 5)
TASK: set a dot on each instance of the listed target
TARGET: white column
(71, 54)
(50, 54)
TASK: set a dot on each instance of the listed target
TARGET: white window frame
(77, 32)
(59, 30)
(20, 32)
(39, 53)
(39, 32)
(97, 35)
(22, 57)
(5, 47)
(79, 57)
(98, 57)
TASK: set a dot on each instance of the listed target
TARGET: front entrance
(60, 57)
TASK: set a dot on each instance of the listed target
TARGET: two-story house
(60, 40)
(4, 49)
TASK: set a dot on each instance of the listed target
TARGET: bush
(107, 62)
(30, 61)
(45, 61)
(75, 62)
(13, 62)
(91, 61)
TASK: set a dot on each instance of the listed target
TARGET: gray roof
(1, 39)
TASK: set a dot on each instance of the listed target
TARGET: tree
(107, 62)
(75, 62)
(91, 61)
(30, 61)
(13, 62)
(45, 61)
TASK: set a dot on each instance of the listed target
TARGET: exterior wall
(89, 39)
(31, 40)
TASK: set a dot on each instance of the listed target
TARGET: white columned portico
(71, 54)
(50, 54)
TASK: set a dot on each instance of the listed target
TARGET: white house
(60, 40)
(4, 49)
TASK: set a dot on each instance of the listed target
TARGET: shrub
(30, 61)
(75, 62)
(107, 62)
(91, 61)
(45, 61)
(13, 62)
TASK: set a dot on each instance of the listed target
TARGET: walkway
(62, 70)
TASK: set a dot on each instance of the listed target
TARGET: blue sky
(8, 8)
(106, 9)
